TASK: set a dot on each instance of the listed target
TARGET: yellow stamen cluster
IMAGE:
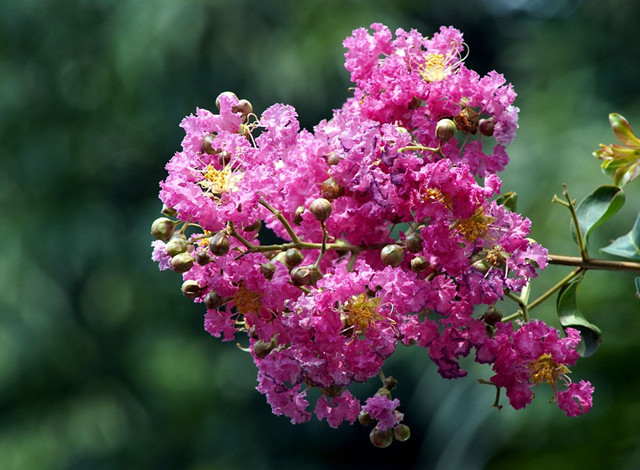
(434, 68)
(362, 311)
(435, 195)
(219, 181)
(247, 301)
(544, 369)
(474, 227)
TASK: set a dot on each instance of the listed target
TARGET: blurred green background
(105, 365)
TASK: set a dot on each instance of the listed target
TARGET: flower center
(475, 226)
(435, 195)
(544, 369)
(219, 181)
(361, 311)
(247, 301)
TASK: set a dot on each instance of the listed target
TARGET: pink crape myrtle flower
(388, 234)
(536, 354)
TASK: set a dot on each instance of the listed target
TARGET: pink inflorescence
(390, 233)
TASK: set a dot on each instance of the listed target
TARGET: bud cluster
(389, 232)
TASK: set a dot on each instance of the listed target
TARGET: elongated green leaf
(570, 316)
(638, 287)
(596, 208)
(628, 245)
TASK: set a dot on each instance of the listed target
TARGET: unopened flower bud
(293, 257)
(203, 258)
(176, 246)
(415, 103)
(224, 93)
(219, 244)
(182, 262)
(401, 432)
(331, 189)
(413, 242)
(365, 418)
(162, 229)
(268, 270)
(301, 276)
(261, 348)
(333, 159)
(254, 227)
(321, 209)
(384, 392)
(244, 107)
(191, 289)
(297, 218)
(245, 131)
(445, 129)
(419, 264)
(168, 211)
(392, 255)
(316, 274)
(208, 145)
(486, 126)
(492, 316)
(380, 438)
(213, 300)
(224, 158)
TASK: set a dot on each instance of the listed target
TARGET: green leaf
(623, 131)
(628, 245)
(508, 200)
(570, 316)
(638, 287)
(596, 208)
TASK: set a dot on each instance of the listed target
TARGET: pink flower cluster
(389, 231)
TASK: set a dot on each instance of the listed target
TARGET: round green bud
(401, 432)
(297, 218)
(487, 126)
(268, 270)
(333, 159)
(254, 227)
(316, 274)
(415, 103)
(261, 348)
(208, 144)
(220, 244)
(445, 129)
(413, 242)
(224, 93)
(380, 438)
(224, 158)
(203, 257)
(176, 245)
(182, 262)
(321, 209)
(293, 257)
(213, 300)
(191, 289)
(301, 276)
(244, 107)
(492, 316)
(392, 255)
(365, 418)
(169, 211)
(162, 229)
(419, 264)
